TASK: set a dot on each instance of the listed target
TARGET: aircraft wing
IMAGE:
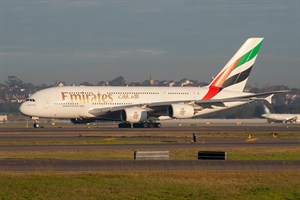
(157, 107)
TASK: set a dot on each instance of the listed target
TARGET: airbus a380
(143, 106)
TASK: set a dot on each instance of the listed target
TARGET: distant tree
(86, 84)
(119, 81)
(295, 91)
(102, 83)
(42, 86)
(259, 110)
(255, 90)
(13, 81)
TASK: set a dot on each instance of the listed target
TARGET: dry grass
(152, 185)
(71, 154)
(245, 153)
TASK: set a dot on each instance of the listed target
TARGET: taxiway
(166, 138)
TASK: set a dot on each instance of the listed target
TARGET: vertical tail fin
(267, 110)
(236, 72)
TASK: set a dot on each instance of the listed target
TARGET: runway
(221, 135)
(166, 129)
(212, 142)
(53, 165)
(57, 139)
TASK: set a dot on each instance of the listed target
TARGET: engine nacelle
(82, 120)
(180, 111)
(134, 115)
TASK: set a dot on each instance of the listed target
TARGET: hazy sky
(43, 41)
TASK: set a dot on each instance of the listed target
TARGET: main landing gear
(124, 125)
(139, 125)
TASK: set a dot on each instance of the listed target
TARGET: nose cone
(24, 109)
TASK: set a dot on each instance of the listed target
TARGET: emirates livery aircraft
(143, 107)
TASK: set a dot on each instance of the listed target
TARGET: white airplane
(283, 118)
(143, 106)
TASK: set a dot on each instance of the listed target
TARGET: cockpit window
(32, 100)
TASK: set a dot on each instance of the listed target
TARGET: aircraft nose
(24, 108)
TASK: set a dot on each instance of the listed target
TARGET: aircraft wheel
(36, 125)
(151, 125)
(140, 125)
(136, 125)
(154, 125)
(124, 125)
(145, 125)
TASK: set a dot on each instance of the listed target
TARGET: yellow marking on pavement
(251, 139)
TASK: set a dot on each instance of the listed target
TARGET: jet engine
(134, 115)
(180, 111)
(82, 120)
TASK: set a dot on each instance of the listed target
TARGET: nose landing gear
(36, 123)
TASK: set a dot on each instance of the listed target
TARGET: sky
(44, 41)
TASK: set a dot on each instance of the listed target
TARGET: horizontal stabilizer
(269, 98)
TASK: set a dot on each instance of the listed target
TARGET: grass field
(246, 185)
(152, 185)
(233, 153)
